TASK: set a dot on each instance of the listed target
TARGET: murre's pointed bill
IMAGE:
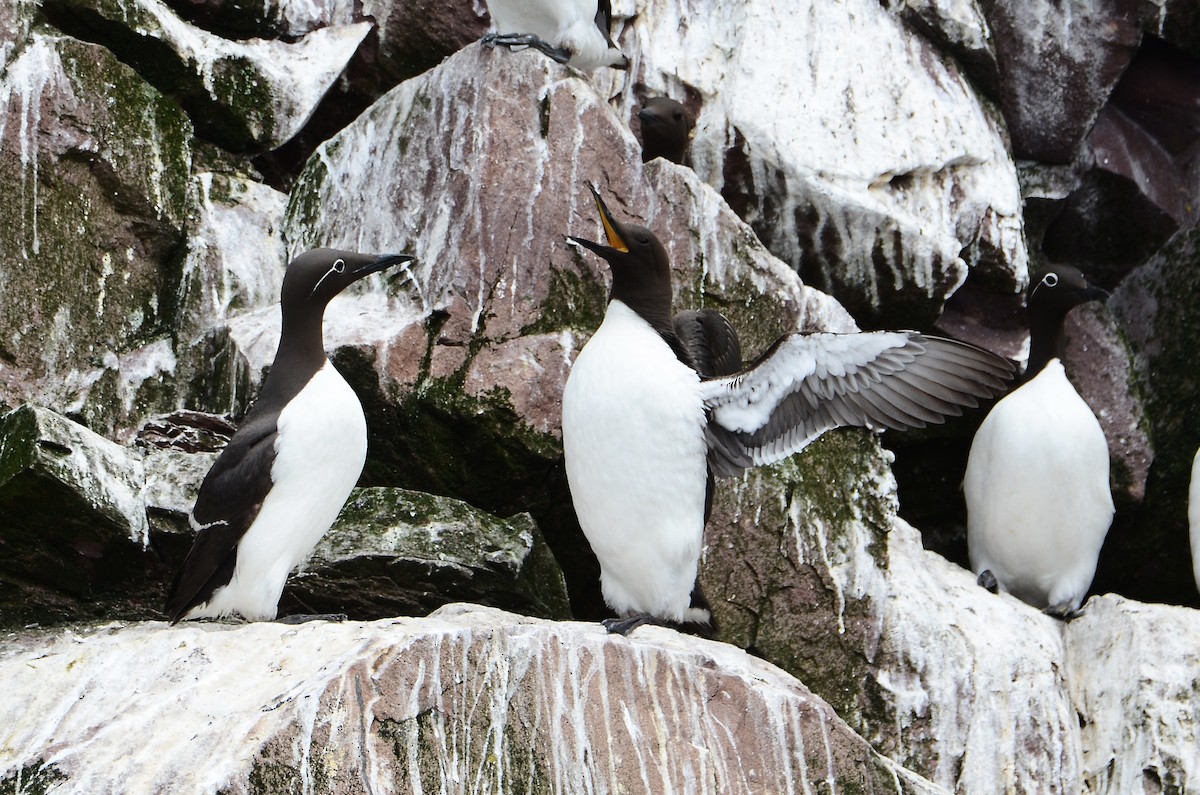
(282, 479)
(575, 32)
(666, 128)
(656, 405)
(1038, 499)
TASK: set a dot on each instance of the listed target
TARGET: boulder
(467, 379)
(882, 181)
(394, 552)
(245, 96)
(807, 564)
(73, 531)
(93, 213)
(1058, 66)
(1158, 310)
(467, 695)
(960, 29)
(1131, 669)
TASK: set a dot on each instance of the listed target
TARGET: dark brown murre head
(310, 282)
(1054, 292)
(666, 125)
(640, 269)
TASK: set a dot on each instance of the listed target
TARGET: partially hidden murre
(282, 479)
(658, 405)
(575, 32)
(1037, 488)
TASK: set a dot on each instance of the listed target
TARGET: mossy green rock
(73, 524)
(1158, 307)
(95, 162)
(788, 550)
(399, 552)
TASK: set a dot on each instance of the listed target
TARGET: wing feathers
(229, 500)
(807, 384)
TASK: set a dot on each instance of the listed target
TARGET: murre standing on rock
(1038, 500)
(282, 479)
(645, 428)
(666, 125)
(575, 32)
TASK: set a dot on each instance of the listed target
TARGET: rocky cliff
(855, 164)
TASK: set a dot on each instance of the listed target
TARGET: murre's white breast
(320, 450)
(633, 434)
(1194, 516)
(1038, 499)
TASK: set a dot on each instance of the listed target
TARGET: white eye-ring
(1050, 280)
(340, 265)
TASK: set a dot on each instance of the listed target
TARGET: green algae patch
(783, 546)
(34, 779)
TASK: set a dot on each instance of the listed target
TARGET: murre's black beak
(616, 243)
(1094, 294)
(382, 262)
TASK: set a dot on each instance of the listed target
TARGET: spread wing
(709, 341)
(806, 384)
(230, 497)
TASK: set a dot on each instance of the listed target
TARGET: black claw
(988, 580)
(1064, 612)
(527, 40)
(623, 626)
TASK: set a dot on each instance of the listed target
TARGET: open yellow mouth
(610, 232)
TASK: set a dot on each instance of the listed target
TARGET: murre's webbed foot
(527, 40)
(1064, 612)
(627, 624)
(988, 580)
(304, 618)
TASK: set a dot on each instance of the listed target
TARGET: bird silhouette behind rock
(666, 127)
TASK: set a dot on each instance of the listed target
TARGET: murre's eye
(1050, 280)
(643, 240)
(678, 115)
(339, 266)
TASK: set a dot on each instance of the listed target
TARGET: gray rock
(73, 522)
(1158, 310)
(957, 27)
(470, 694)
(1131, 672)
(468, 379)
(881, 180)
(394, 552)
(1058, 67)
(246, 96)
(807, 564)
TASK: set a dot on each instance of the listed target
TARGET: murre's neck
(650, 308)
(1047, 340)
(301, 354)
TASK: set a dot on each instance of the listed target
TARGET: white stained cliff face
(467, 700)
(853, 159)
(294, 76)
(1132, 670)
